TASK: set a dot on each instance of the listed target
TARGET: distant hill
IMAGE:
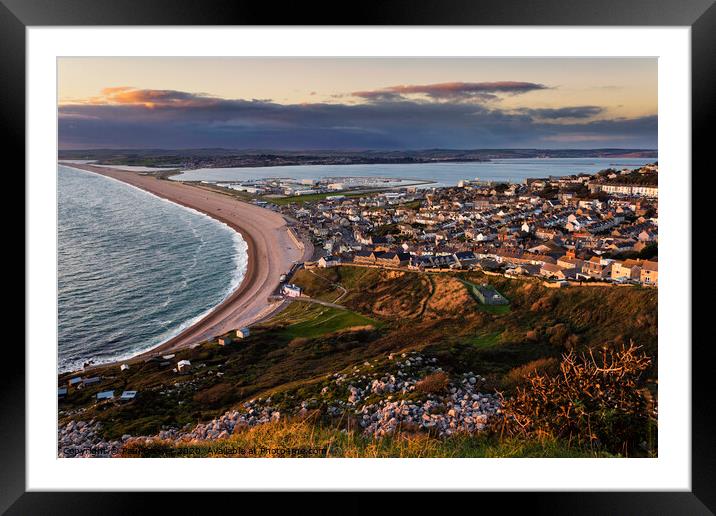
(196, 158)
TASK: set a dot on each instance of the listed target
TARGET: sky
(357, 103)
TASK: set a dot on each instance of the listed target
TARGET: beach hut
(74, 382)
(223, 341)
(183, 366)
(128, 395)
(124, 367)
(105, 395)
(242, 333)
(90, 381)
(61, 392)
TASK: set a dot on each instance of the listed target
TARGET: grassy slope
(307, 439)
(292, 355)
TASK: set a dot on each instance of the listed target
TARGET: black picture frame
(700, 15)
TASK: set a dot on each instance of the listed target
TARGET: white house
(183, 365)
(328, 261)
(291, 290)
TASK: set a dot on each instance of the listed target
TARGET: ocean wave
(77, 296)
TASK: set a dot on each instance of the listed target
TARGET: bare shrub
(520, 375)
(594, 399)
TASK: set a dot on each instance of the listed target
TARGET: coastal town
(580, 228)
(357, 257)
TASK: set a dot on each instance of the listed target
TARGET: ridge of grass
(314, 440)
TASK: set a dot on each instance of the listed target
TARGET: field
(300, 199)
(295, 355)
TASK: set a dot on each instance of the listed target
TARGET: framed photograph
(420, 252)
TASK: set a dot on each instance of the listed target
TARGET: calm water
(514, 170)
(133, 269)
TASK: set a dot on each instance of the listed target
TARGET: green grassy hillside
(292, 356)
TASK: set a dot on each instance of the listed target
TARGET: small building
(550, 270)
(75, 382)
(291, 290)
(364, 257)
(626, 270)
(105, 395)
(61, 392)
(90, 381)
(489, 296)
(124, 367)
(328, 261)
(242, 333)
(128, 395)
(183, 366)
(223, 341)
(391, 259)
(168, 357)
(650, 273)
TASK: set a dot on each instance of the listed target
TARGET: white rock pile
(463, 409)
(82, 439)
(382, 402)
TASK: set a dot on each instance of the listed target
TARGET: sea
(442, 174)
(134, 269)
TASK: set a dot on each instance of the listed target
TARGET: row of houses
(384, 258)
(645, 191)
(645, 272)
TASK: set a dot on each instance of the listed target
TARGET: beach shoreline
(271, 252)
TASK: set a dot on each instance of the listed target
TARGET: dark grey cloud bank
(449, 115)
(484, 91)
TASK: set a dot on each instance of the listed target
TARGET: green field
(301, 199)
(485, 341)
(322, 320)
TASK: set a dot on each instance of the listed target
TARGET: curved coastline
(270, 253)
